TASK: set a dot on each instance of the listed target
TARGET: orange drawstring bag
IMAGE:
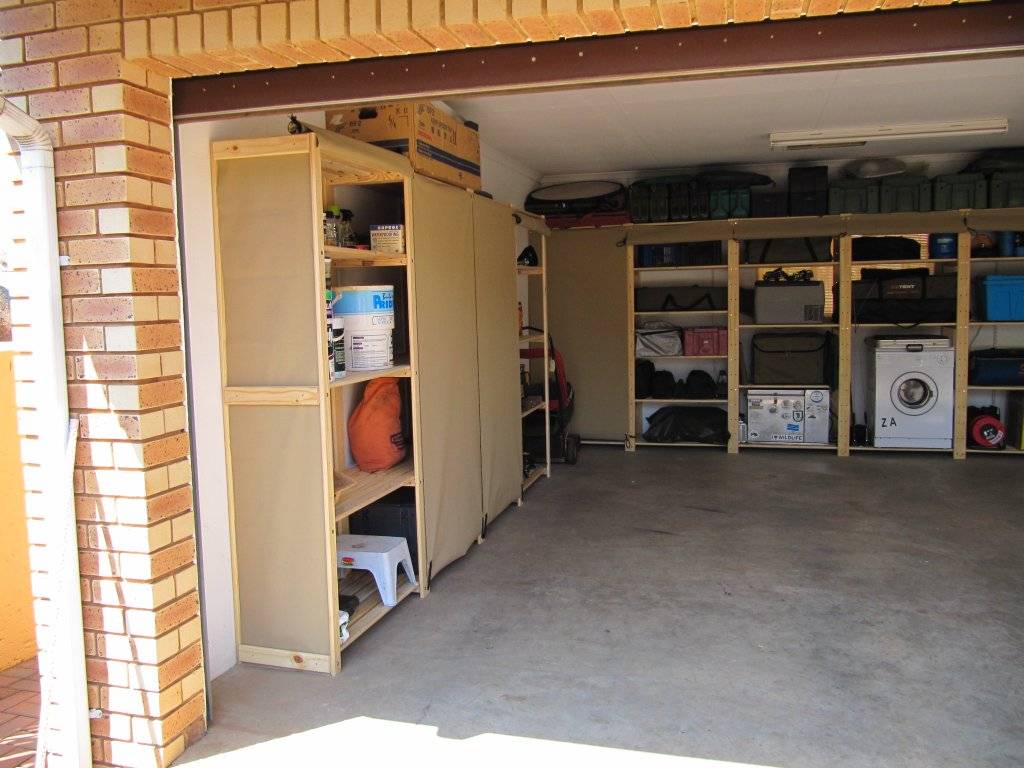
(375, 427)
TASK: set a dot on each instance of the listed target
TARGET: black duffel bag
(680, 299)
(643, 382)
(688, 424)
(905, 297)
(885, 249)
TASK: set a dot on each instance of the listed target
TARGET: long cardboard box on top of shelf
(437, 144)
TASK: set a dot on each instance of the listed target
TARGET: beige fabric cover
(587, 315)
(445, 288)
(501, 436)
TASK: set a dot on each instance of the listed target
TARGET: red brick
(102, 189)
(32, 77)
(71, 13)
(137, 221)
(31, 18)
(165, 449)
(71, 101)
(77, 282)
(81, 338)
(55, 45)
(110, 309)
(111, 250)
(99, 68)
(143, 162)
(76, 223)
(72, 162)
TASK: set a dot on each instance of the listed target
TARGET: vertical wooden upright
(547, 353)
(962, 342)
(631, 419)
(844, 391)
(733, 363)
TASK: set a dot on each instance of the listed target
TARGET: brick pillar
(109, 120)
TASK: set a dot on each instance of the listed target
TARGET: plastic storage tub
(1002, 297)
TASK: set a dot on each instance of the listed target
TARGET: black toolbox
(808, 191)
(394, 515)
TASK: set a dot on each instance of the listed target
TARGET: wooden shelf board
(903, 327)
(997, 260)
(359, 257)
(680, 401)
(682, 268)
(402, 370)
(996, 387)
(1007, 451)
(871, 448)
(790, 265)
(536, 475)
(681, 445)
(684, 357)
(746, 326)
(366, 487)
(682, 312)
(530, 270)
(994, 323)
(797, 446)
(370, 609)
(900, 263)
(534, 338)
(537, 406)
(785, 386)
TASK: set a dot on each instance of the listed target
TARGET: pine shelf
(402, 370)
(341, 256)
(370, 609)
(364, 488)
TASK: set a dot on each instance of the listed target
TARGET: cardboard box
(437, 144)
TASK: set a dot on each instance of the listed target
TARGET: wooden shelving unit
(841, 228)
(533, 230)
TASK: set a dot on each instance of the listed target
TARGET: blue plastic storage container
(1002, 297)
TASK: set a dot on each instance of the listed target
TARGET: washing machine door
(914, 393)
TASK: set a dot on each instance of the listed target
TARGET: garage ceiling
(697, 122)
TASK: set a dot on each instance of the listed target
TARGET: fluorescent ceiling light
(858, 137)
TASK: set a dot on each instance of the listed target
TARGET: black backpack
(643, 383)
(700, 384)
(664, 385)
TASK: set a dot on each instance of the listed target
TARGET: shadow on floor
(782, 610)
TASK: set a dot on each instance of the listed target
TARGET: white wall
(506, 179)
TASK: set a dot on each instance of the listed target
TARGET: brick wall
(96, 74)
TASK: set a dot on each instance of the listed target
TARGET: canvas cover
(501, 436)
(445, 294)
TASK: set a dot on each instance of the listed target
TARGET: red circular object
(987, 431)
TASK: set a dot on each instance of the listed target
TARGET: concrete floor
(773, 609)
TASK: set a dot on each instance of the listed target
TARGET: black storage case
(808, 191)
(394, 515)
(788, 359)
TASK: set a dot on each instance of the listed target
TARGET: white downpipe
(66, 654)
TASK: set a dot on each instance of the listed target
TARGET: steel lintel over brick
(923, 34)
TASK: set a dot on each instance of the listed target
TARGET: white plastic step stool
(381, 556)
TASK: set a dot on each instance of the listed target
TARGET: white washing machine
(912, 392)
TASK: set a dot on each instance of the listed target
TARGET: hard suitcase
(705, 342)
(906, 193)
(792, 358)
(953, 191)
(997, 367)
(853, 196)
(688, 298)
(789, 302)
(768, 205)
(1006, 189)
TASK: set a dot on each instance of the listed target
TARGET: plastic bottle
(330, 229)
(346, 235)
(336, 215)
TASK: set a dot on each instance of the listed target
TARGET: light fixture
(858, 137)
